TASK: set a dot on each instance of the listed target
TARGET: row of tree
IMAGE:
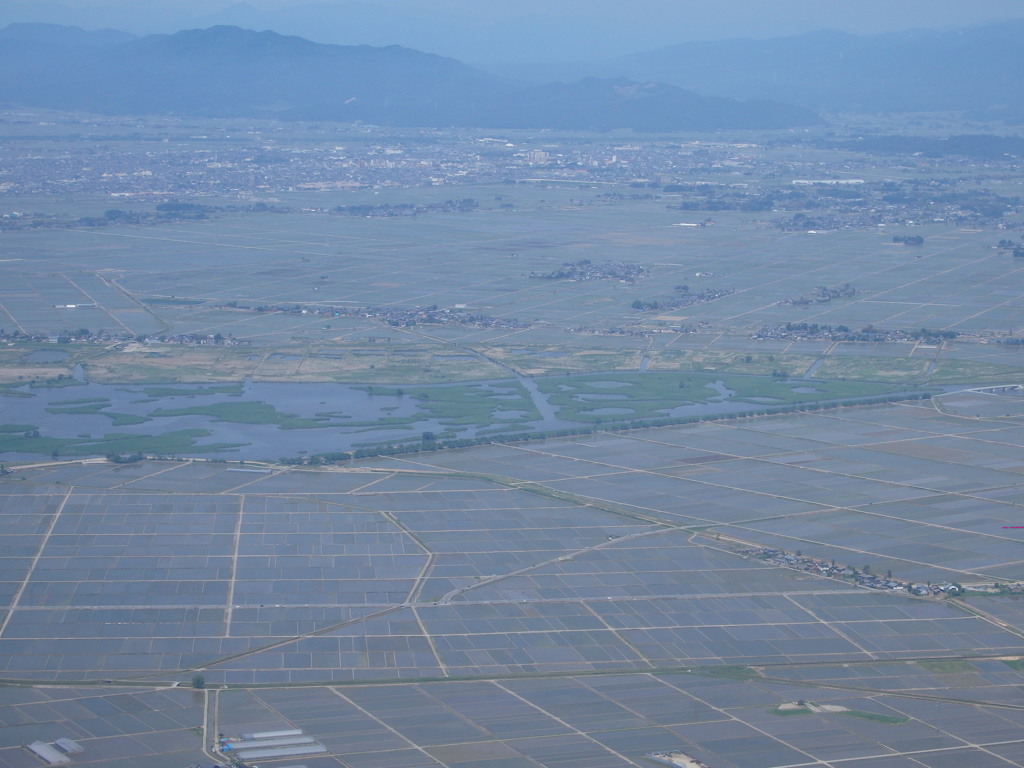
(425, 444)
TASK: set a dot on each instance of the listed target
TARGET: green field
(165, 444)
(243, 413)
(655, 395)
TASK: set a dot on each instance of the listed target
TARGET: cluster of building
(637, 333)
(862, 577)
(147, 158)
(57, 753)
(194, 340)
(81, 335)
(676, 759)
(816, 332)
(268, 745)
(396, 316)
(154, 160)
(85, 336)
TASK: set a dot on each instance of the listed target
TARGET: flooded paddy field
(585, 596)
(576, 600)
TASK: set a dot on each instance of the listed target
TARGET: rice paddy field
(205, 277)
(307, 297)
(579, 598)
(697, 587)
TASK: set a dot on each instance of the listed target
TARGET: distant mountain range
(977, 69)
(487, 33)
(230, 72)
(226, 71)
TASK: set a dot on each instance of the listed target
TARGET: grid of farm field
(748, 592)
(688, 527)
(312, 279)
(536, 281)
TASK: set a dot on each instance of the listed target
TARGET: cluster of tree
(642, 305)
(713, 197)
(933, 334)
(1010, 245)
(179, 207)
(915, 197)
(65, 336)
(823, 295)
(801, 222)
(114, 216)
(983, 202)
(711, 203)
(683, 299)
(908, 239)
(465, 205)
(125, 458)
(168, 213)
(585, 269)
(620, 196)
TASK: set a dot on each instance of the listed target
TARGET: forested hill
(231, 72)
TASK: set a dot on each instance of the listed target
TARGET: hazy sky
(518, 29)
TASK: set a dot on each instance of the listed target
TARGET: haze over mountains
(484, 33)
(227, 71)
(978, 68)
(230, 72)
